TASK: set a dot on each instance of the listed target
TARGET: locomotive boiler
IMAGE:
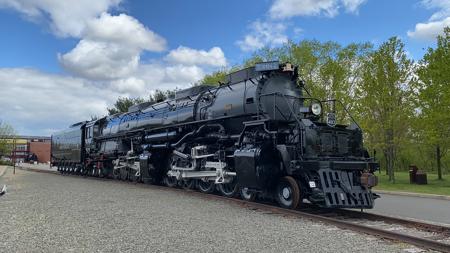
(255, 135)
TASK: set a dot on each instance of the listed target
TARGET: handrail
(284, 96)
(345, 109)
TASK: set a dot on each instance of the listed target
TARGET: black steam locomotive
(255, 135)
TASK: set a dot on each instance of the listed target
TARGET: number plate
(331, 119)
(265, 66)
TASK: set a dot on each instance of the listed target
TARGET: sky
(62, 62)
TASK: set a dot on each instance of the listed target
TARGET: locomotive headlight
(316, 109)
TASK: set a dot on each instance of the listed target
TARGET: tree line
(402, 105)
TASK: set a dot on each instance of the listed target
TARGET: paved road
(53, 213)
(435, 210)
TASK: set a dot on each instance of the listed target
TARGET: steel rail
(443, 230)
(377, 232)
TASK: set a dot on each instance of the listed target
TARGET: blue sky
(62, 61)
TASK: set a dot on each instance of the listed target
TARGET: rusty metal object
(369, 180)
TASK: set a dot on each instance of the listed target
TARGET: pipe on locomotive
(170, 135)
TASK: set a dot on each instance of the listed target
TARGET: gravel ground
(51, 213)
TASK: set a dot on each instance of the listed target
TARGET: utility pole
(14, 155)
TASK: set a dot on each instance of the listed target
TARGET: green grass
(5, 163)
(434, 186)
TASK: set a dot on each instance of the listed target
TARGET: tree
(122, 104)
(217, 77)
(433, 86)
(384, 101)
(7, 132)
(329, 70)
(214, 78)
(159, 96)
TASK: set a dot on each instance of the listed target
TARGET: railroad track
(434, 238)
(345, 219)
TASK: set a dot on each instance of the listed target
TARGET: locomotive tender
(254, 135)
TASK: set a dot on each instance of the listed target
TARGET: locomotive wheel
(101, 173)
(246, 194)
(206, 186)
(85, 171)
(132, 176)
(116, 174)
(188, 184)
(288, 193)
(123, 174)
(229, 189)
(135, 178)
(170, 181)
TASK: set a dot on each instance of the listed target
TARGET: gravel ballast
(52, 213)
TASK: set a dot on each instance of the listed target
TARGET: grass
(5, 163)
(434, 186)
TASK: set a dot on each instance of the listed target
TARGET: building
(41, 149)
(24, 147)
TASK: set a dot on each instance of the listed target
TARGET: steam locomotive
(255, 135)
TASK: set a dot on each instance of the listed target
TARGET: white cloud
(188, 74)
(282, 9)
(40, 103)
(430, 30)
(33, 101)
(111, 48)
(66, 18)
(105, 62)
(273, 33)
(352, 6)
(169, 77)
(443, 7)
(124, 30)
(436, 23)
(130, 85)
(188, 56)
(100, 60)
(263, 34)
